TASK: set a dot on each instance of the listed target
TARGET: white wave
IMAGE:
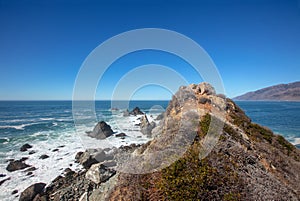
(47, 119)
(18, 127)
(296, 141)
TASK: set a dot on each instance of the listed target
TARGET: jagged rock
(126, 113)
(121, 135)
(85, 159)
(99, 173)
(25, 147)
(145, 126)
(44, 156)
(29, 193)
(136, 111)
(16, 165)
(101, 131)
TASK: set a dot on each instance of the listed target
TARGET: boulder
(25, 147)
(136, 111)
(16, 165)
(101, 131)
(29, 193)
(99, 173)
(145, 126)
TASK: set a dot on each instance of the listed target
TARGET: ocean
(49, 127)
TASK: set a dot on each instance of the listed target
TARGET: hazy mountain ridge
(282, 92)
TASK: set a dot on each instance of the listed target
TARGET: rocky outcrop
(32, 191)
(136, 111)
(282, 92)
(101, 131)
(145, 126)
(16, 165)
(93, 156)
(204, 148)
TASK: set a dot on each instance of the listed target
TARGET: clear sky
(254, 44)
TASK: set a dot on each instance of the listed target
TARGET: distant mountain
(283, 92)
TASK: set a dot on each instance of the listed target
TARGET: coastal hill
(189, 158)
(281, 92)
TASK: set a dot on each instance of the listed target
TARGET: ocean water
(49, 125)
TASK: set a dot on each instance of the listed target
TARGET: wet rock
(2, 175)
(44, 156)
(4, 180)
(55, 150)
(136, 111)
(16, 165)
(31, 152)
(101, 131)
(121, 135)
(99, 173)
(25, 147)
(29, 173)
(29, 193)
(14, 192)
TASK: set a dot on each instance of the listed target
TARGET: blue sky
(254, 44)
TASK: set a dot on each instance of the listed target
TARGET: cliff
(204, 148)
(281, 92)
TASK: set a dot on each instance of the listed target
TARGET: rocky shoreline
(186, 158)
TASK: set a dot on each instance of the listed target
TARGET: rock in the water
(31, 152)
(16, 165)
(101, 131)
(99, 173)
(136, 111)
(14, 192)
(146, 126)
(121, 135)
(25, 147)
(4, 180)
(44, 156)
(2, 175)
(126, 113)
(29, 193)
(55, 150)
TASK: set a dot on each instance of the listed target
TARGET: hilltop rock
(101, 131)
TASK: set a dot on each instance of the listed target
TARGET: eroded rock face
(101, 131)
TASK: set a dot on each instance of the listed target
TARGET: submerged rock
(32, 191)
(121, 135)
(44, 156)
(25, 147)
(101, 131)
(16, 165)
